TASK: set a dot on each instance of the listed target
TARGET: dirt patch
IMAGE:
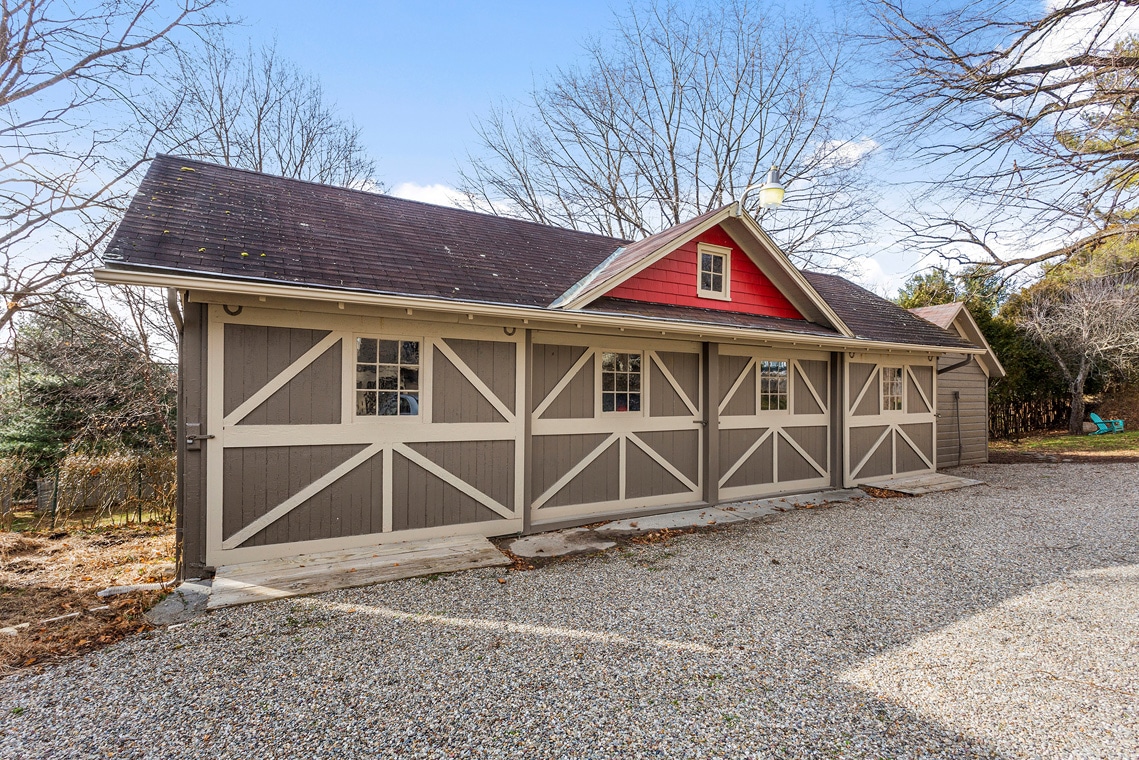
(46, 576)
(1082, 457)
(885, 493)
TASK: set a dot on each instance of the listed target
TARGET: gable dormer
(721, 260)
(708, 271)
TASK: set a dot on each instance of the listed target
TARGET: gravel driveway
(998, 621)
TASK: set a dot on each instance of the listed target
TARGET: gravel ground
(998, 621)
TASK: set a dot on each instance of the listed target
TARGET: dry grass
(48, 575)
(1059, 446)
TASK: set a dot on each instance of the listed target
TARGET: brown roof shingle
(198, 217)
(872, 317)
(216, 221)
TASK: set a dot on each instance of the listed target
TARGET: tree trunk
(1076, 387)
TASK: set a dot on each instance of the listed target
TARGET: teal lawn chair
(1105, 426)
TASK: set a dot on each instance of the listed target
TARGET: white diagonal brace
(810, 387)
(574, 471)
(869, 452)
(284, 376)
(915, 447)
(746, 456)
(921, 391)
(865, 386)
(565, 380)
(450, 479)
(803, 452)
(474, 379)
(301, 496)
(735, 386)
(655, 358)
(667, 465)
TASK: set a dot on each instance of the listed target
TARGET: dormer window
(713, 274)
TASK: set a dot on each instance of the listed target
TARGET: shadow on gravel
(882, 628)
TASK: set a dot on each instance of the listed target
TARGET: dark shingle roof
(198, 217)
(874, 318)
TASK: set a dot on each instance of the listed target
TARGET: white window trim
(882, 389)
(715, 250)
(388, 419)
(759, 385)
(599, 394)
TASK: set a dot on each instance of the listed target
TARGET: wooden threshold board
(922, 483)
(313, 573)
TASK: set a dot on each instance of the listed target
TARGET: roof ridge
(388, 196)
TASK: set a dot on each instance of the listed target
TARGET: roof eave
(168, 279)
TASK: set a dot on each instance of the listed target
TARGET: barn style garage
(358, 369)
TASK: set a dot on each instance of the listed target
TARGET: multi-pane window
(891, 389)
(387, 377)
(713, 273)
(772, 385)
(620, 382)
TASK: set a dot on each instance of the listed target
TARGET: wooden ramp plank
(313, 573)
(922, 483)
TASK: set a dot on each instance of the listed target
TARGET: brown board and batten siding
(963, 413)
(292, 467)
(587, 461)
(883, 441)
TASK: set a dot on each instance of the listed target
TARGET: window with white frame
(713, 272)
(387, 377)
(891, 389)
(773, 394)
(620, 382)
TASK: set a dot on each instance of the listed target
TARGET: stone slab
(559, 543)
(184, 603)
(692, 518)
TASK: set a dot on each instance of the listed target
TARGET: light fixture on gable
(771, 192)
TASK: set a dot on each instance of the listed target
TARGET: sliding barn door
(616, 424)
(775, 434)
(891, 424)
(333, 432)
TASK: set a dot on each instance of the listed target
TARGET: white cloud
(1074, 33)
(439, 194)
(869, 274)
(846, 152)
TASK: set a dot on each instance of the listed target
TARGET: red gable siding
(672, 280)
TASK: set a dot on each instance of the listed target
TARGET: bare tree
(675, 116)
(66, 73)
(1086, 325)
(85, 375)
(1024, 119)
(256, 111)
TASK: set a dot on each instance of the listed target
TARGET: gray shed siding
(963, 421)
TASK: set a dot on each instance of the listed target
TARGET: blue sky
(415, 76)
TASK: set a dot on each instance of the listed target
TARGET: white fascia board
(594, 289)
(164, 279)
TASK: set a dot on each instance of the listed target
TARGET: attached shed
(963, 388)
(358, 369)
